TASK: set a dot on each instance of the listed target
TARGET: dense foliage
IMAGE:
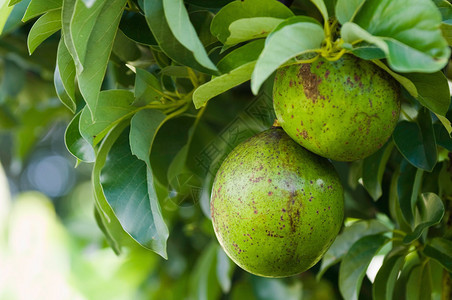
(157, 94)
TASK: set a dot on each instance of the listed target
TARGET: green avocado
(343, 110)
(276, 207)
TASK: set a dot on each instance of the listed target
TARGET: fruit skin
(343, 110)
(276, 207)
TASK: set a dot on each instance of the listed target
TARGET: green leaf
(442, 137)
(129, 191)
(145, 125)
(43, 28)
(322, 8)
(112, 107)
(115, 233)
(355, 263)
(440, 249)
(446, 123)
(168, 43)
(89, 35)
(409, 35)
(65, 77)
(222, 83)
(183, 30)
(13, 2)
(416, 141)
(281, 46)
(76, 144)
(246, 29)
(432, 91)
(383, 285)
(124, 48)
(244, 10)
(39, 7)
(240, 56)
(5, 11)
(203, 283)
(15, 17)
(431, 212)
(373, 170)
(61, 92)
(348, 237)
(225, 268)
(347, 9)
(408, 187)
(201, 21)
(419, 284)
(147, 88)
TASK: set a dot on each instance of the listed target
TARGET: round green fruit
(276, 207)
(343, 110)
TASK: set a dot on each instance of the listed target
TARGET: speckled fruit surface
(276, 207)
(343, 110)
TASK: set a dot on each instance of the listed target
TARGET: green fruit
(276, 207)
(343, 110)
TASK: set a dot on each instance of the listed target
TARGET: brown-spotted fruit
(276, 207)
(343, 110)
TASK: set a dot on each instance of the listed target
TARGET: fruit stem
(303, 61)
(276, 124)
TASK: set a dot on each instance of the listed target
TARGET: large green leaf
(419, 284)
(222, 83)
(348, 237)
(155, 17)
(431, 212)
(416, 141)
(128, 190)
(89, 35)
(347, 9)
(110, 225)
(407, 31)
(76, 144)
(246, 9)
(288, 41)
(432, 91)
(383, 285)
(373, 169)
(39, 7)
(440, 249)
(183, 30)
(355, 263)
(112, 107)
